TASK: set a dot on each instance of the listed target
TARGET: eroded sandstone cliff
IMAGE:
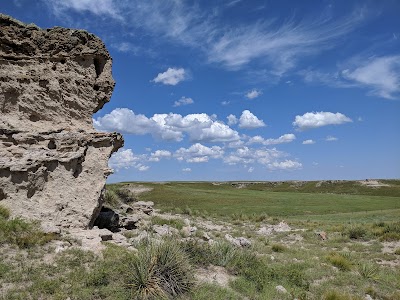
(53, 164)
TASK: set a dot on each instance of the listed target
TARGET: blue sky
(244, 90)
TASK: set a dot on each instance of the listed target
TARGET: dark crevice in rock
(108, 219)
(3, 195)
(99, 63)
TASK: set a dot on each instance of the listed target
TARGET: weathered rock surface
(239, 241)
(53, 164)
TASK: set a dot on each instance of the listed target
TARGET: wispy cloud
(276, 45)
(108, 8)
(379, 75)
(330, 138)
(280, 46)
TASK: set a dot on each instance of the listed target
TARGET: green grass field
(331, 202)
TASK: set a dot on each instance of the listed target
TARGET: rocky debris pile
(144, 207)
(163, 230)
(239, 241)
(53, 164)
(271, 229)
(92, 240)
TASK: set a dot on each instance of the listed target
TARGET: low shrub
(390, 237)
(125, 195)
(397, 251)
(176, 223)
(212, 291)
(335, 295)
(340, 262)
(111, 198)
(22, 233)
(356, 232)
(278, 247)
(4, 212)
(198, 252)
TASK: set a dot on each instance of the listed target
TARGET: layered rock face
(53, 164)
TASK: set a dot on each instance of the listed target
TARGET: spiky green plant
(223, 253)
(159, 271)
(368, 271)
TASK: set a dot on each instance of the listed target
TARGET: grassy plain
(317, 201)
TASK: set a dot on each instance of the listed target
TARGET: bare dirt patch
(214, 275)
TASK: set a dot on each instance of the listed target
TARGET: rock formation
(53, 164)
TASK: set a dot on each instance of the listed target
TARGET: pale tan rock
(53, 164)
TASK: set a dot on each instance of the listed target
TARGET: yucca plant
(143, 281)
(159, 271)
(368, 271)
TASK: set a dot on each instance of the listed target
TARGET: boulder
(53, 163)
(188, 230)
(281, 289)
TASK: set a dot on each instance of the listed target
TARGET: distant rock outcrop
(53, 164)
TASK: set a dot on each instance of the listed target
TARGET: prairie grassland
(335, 202)
(358, 259)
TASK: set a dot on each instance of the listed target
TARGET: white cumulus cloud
(126, 159)
(249, 121)
(171, 77)
(318, 119)
(246, 155)
(253, 94)
(159, 154)
(286, 138)
(232, 120)
(183, 101)
(186, 170)
(172, 127)
(198, 153)
(308, 142)
(285, 165)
